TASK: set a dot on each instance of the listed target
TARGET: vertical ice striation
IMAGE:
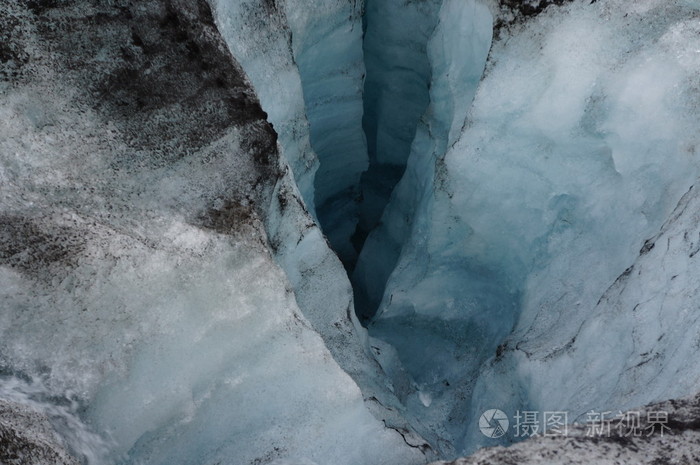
(305, 61)
(454, 57)
(249, 28)
(426, 347)
(396, 96)
(327, 47)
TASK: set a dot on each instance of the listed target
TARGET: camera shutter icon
(493, 423)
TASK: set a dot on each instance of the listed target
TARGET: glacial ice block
(580, 141)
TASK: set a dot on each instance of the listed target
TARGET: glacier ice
(327, 47)
(579, 143)
(143, 230)
(173, 178)
(396, 95)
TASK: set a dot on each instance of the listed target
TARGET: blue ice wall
(396, 96)
(580, 141)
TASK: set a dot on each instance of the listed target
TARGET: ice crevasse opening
(504, 196)
(417, 211)
(499, 224)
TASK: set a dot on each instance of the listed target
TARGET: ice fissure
(487, 234)
(334, 232)
(396, 94)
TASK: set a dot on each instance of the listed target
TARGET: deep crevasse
(456, 52)
(396, 94)
(329, 68)
(154, 296)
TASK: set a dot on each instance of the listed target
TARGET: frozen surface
(168, 296)
(581, 139)
(259, 37)
(29, 419)
(640, 107)
(138, 278)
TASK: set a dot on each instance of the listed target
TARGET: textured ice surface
(638, 105)
(327, 47)
(320, 284)
(396, 96)
(29, 419)
(581, 139)
(26, 438)
(137, 275)
(457, 51)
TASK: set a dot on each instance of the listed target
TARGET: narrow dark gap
(396, 95)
